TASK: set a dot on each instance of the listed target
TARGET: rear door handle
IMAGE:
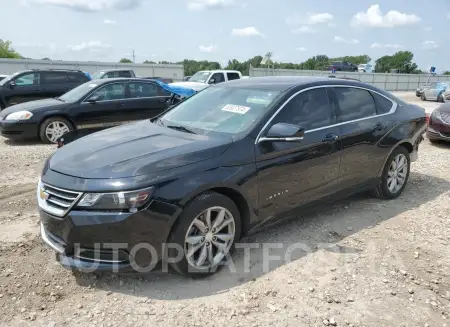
(330, 138)
(379, 127)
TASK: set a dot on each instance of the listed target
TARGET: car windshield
(78, 92)
(98, 75)
(8, 78)
(200, 77)
(220, 110)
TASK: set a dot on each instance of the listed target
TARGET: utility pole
(134, 57)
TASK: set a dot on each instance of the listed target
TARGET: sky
(219, 30)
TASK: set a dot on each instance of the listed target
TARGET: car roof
(49, 70)
(283, 83)
(120, 79)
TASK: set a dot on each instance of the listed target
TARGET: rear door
(26, 87)
(107, 111)
(145, 100)
(364, 118)
(291, 174)
(54, 83)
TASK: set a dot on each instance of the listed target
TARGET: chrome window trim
(393, 109)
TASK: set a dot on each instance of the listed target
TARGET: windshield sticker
(236, 109)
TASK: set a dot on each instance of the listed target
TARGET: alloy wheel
(209, 238)
(397, 173)
(55, 130)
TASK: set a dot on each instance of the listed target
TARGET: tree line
(401, 60)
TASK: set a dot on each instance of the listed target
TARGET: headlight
(129, 200)
(20, 115)
(437, 114)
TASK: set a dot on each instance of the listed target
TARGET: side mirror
(93, 99)
(12, 84)
(212, 81)
(283, 132)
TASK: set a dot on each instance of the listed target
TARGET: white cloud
(429, 28)
(309, 19)
(91, 46)
(208, 48)
(246, 31)
(302, 49)
(208, 4)
(303, 30)
(340, 39)
(90, 5)
(373, 17)
(109, 22)
(448, 15)
(430, 45)
(387, 46)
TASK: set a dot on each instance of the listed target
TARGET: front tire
(441, 98)
(207, 231)
(395, 174)
(53, 128)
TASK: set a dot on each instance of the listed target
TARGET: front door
(291, 174)
(108, 110)
(26, 87)
(363, 117)
(145, 100)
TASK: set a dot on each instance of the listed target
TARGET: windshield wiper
(181, 129)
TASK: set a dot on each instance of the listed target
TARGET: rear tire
(423, 97)
(395, 175)
(201, 254)
(441, 98)
(53, 128)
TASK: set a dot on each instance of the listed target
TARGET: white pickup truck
(203, 78)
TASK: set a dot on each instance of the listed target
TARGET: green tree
(125, 61)
(6, 51)
(149, 62)
(356, 60)
(447, 73)
(401, 60)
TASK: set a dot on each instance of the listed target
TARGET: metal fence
(176, 72)
(388, 82)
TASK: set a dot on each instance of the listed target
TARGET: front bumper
(438, 130)
(109, 241)
(18, 130)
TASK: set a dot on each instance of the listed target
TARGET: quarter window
(28, 79)
(354, 104)
(383, 105)
(310, 109)
(77, 78)
(114, 91)
(143, 90)
(125, 73)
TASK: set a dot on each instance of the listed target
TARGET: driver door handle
(330, 138)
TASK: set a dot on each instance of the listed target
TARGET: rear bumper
(18, 130)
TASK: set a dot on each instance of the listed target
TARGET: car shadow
(321, 229)
(23, 142)
(441, 144)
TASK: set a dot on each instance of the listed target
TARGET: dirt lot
(363, 262)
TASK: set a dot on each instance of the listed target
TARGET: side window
(354, 104)
(232, 76)
(310, 109)
(111, 75)
(55, 77)
(114, 91)
(125, 73)
(77, 78)
(218, 78)
(28, 79)
(383, 105)
(143, 90)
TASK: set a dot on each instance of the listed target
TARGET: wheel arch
(55, 115)
(407, 144)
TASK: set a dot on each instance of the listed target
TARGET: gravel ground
(363, 262)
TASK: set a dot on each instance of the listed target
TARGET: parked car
(187, 78)
(342, 66)
(114, 73)
(419, 90)
(435, 91)
(2, 77)
(214, 76)
(365, 68)
(37, 84)
(439, 124)
(93, 106)
(217, 166)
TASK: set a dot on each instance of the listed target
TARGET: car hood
(135, 149)
(445, 107)
(33, 106)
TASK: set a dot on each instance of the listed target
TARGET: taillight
(427, 118)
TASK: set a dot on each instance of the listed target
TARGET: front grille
(56, 201)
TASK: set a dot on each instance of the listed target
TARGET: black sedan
(183, 187)
(439, 124)
(92, 106)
